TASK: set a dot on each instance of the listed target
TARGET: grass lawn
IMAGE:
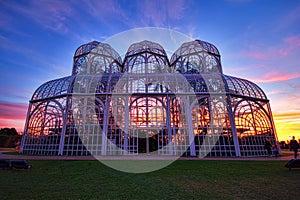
(181, 180)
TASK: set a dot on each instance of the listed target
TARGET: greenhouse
(146, 103)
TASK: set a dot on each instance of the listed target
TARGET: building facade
(147, 103)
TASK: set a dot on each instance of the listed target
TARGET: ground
(231, 178)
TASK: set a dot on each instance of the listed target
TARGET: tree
(8, 137)
(8, 131)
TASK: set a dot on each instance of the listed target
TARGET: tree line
(9, 137)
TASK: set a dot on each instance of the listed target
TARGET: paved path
(132, 157)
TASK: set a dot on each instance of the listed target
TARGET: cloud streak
(289, 19)
(287, 124)
(287, 115)
(14, 92)
(12, 115)
(157, 13)
(275, 77)
(52, 15)
(273, 92)
(11, 111)
(280, 50)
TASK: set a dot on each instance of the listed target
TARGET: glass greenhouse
(146, 103)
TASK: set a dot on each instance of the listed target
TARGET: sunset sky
(258, 41)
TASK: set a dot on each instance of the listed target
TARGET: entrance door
(147, 118)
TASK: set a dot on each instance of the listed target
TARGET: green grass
(12, 153)
(17, 153)
(181, 180)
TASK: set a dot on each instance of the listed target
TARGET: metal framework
(148, 104)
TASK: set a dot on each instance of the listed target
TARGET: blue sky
(258, 40)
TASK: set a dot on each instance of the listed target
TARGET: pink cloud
(12, 115)
(283, 49)
(51, 15)
(106, 13)
(289, 20)
(20, 93)
(176, 9)
(295, 98)
(264, 53)
(12, 111)
(103, 8)
(241, 69)
(292, 43)
(155, 12)
(17, 124)
(273, 92)
(275, 77)
(258, 55)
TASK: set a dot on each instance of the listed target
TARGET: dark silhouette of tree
(9, 137)
(8, 131)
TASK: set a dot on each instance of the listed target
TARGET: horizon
(258, 41)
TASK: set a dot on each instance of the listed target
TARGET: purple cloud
(12, 111)
(279, 50)
(51, 15)
(157, 12)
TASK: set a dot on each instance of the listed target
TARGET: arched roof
(145, 46)
(53, 88)
(233, 86)
(196, 56)
(145, 57)
(244, 87)
(86, 48)
(96, 52)
(194, 47)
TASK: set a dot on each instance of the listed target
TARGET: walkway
(132, 157)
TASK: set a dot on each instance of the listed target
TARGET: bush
(9, 141)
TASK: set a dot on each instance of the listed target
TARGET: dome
(146, 57)
(145, 46)
(86, 48)
(96, 57)
(196, 57)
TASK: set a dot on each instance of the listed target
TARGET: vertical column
(233, 128)
(26, 128)
(105, 125)
(270, 117)
(147, 123)
(171, 152)
(126, 124)
(64, 128)
(188, 115)
(62, 135)
(253, 116)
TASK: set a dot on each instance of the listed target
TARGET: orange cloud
(287, 125)
(287, 115)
